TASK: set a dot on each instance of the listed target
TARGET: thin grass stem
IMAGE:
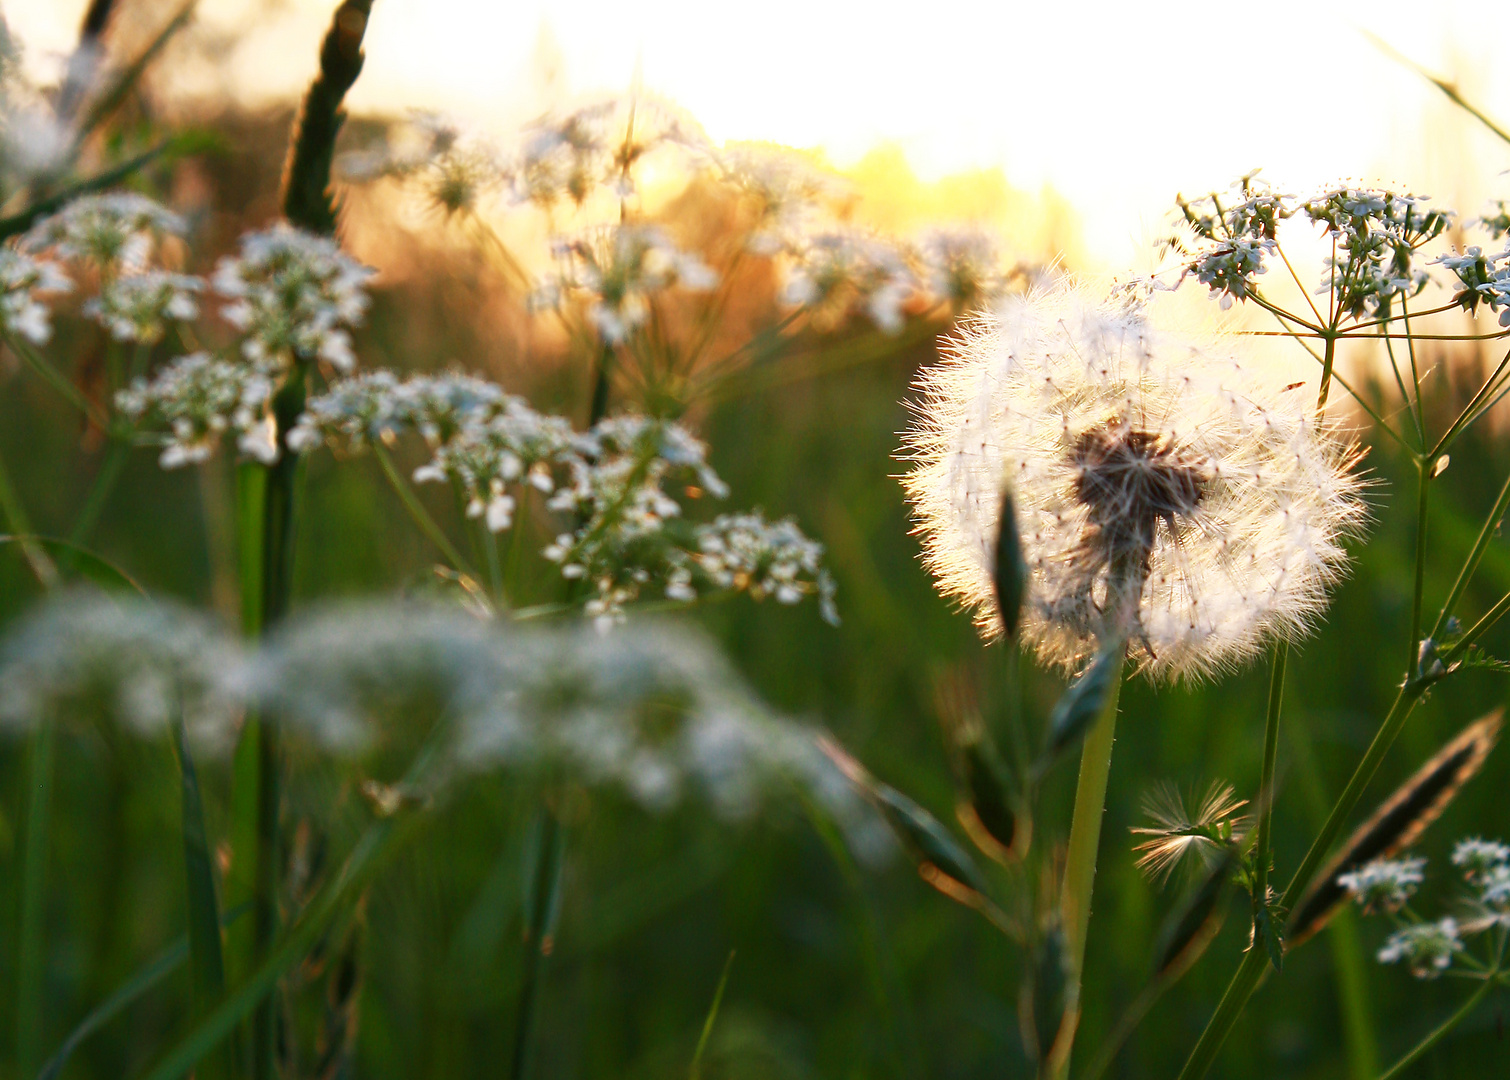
(421, 516)
(31, 953)
(544, 894)
(1425, 1045)
(57, 380)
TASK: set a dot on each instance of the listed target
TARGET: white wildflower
(138, 307)
(115, 232)
(620, 268)
(1427, 947)
(836, 272)
(198, 399)
(962, 265)
(377, 407)
(789, 191)
(293, 294)
(1494, 888)
(22, 280)
(1384, 884)
(452, 168)
(744, 552)
(1165, 494)
(1479, 857)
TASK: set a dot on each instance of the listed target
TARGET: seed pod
(942, 862)
(1043, 1001)
(1009, 572)
(985, 808)
(1189, 928)
(1080, 705)
(1396, 824)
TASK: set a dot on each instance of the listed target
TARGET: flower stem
(30, 955)
(1080, 859)
(422, 516)
(1263, 851)
(543, 895)
(15, 515)
(1441, 1031)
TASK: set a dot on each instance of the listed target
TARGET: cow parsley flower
(620, 268)
(1167, 495)
(377, 407)
(838, 271)
(1478, 858)
(747, 553)
(1427, 947)
(195, 401)
(962, 266)
(22, 280)
(293, 294)
(115, 232)
(788, 190)
(138, 307)
(1384, 884)
(453, 169)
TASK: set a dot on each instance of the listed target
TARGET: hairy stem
(1263, 852)
(1080, 859)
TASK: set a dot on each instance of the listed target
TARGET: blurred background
(1067, 128)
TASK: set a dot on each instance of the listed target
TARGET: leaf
(96, 568)
(1009, 571)
(1266, 932)
(1080, 705)
(1189, 928)
(985, 808)
(941, 860)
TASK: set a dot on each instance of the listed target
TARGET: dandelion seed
(115, 232)
(1427, 947)
(196, 400)
(1165, 493)
(1207, 833)
(293, 294)
(138, 307)
(23, 280)
(1384, 884)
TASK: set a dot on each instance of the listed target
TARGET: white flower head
(1427, 947)
(452, 168)
(114, 232)
(1478, 858)
(293, 294)
(22, 280)
(1384, 884)
(789, 191)
(1165, 494)
(138, 307)
(838, 271)
(963, 265)
(195, 401)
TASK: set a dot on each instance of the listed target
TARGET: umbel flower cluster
(1167, 494)
(657, 714)
(1430, 947)
(611, 482)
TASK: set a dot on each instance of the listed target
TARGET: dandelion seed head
(138, 307)
(293, 294)
(116, 232)
(23, 280)
(1428, 948)
(1384, 884)
(1165, 493)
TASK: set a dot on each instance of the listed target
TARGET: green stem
(543, 897)
(1441, 1031)
(30, 956)
(54, 378)
(1263, 852)
(99, 491)
(20, 524)
(1423, 489)
(422, 516)
(1471, 563)
(1080, 858)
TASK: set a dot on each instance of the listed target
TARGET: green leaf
(89, 565)
(1266, 931)
(986, 806)
(940, 858)
(1080, 705)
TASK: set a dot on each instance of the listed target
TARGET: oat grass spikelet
(1167, 493)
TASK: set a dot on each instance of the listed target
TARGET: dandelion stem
(30, 955)
(1426, 1044)
(1423, 479)
(1080, 858)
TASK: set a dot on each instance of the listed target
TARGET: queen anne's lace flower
(138, 307)
(196, 400)
(1427, 947)
(1384, 884)
(1478, 857)
(837, 271)
(452, 168)
(962, 266)
(22, 280)
(789, 192)
(114, 232)
(293, 293)
(620, 268)
(745, 552)
(1165, 494)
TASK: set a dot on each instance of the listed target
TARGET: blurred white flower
(293, 294)
(962, 265)
(1479, 857)
(1427, 947)
(452, 168)
(1384, 884)
(789, 191)
(619, 268)
(1166, 494)
(115, 232)
(747, 553)
(22, 280)
(196, 400)
(138, 307)
(835, 272)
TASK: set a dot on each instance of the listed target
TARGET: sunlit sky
(1115, 105)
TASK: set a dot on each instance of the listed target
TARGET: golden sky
(1115, 105)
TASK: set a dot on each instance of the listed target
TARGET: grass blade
(89, 565)
(542, 902)
(696, 1071)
